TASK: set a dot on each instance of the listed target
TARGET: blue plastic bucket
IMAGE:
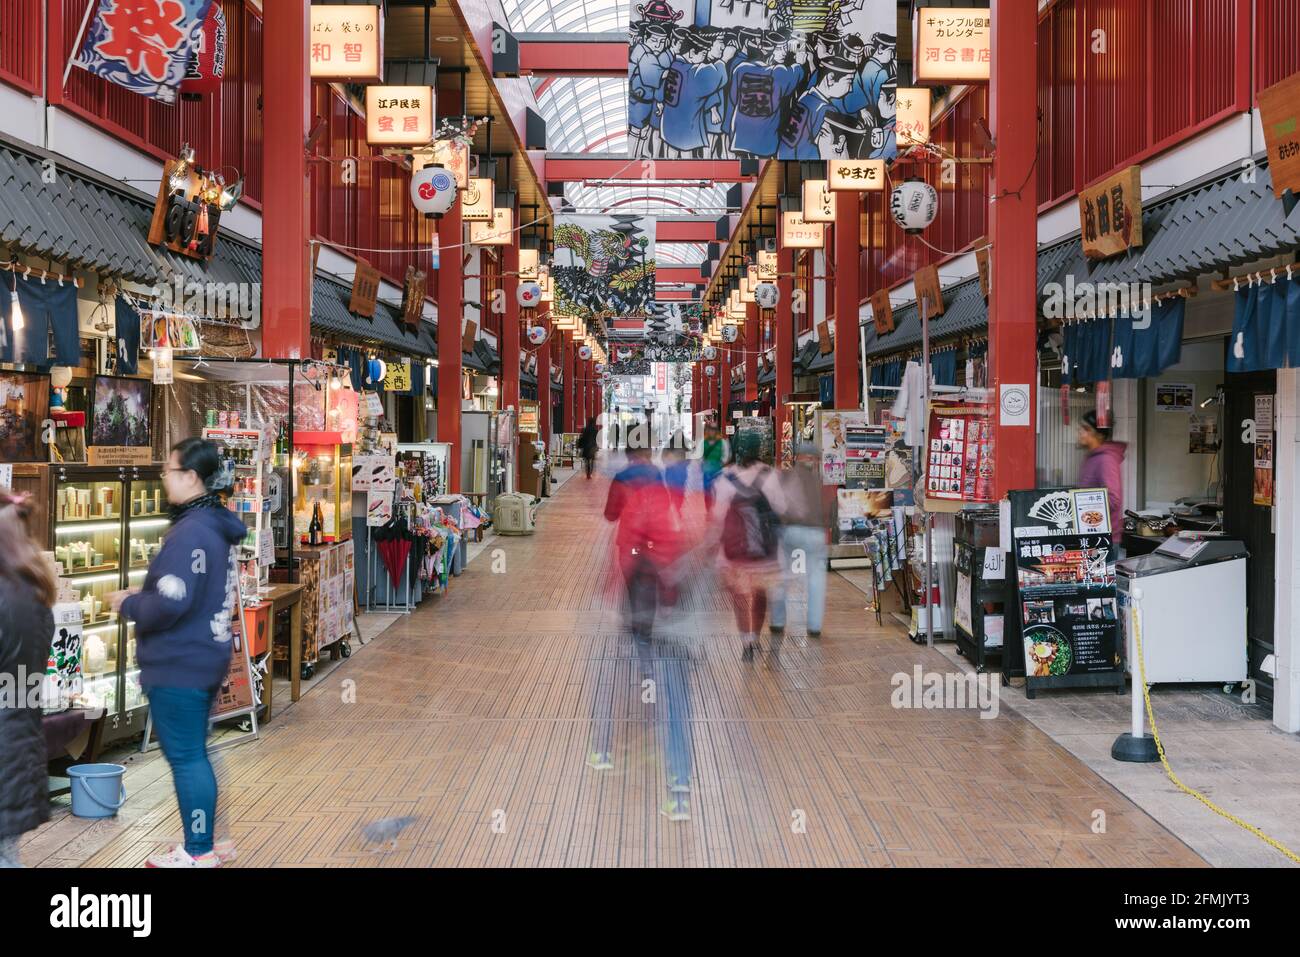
(97, 789)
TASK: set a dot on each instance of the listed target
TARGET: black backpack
(749, 527)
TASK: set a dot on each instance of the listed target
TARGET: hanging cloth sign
(143, 45)
(206, 66)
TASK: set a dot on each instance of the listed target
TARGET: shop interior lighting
(96, 527)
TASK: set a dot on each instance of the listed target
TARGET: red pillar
(848, 294)
(544, 379)
(451, 285)
(1013, 230)
(510, 328)
(784, 333)
(570, 413)
(583, 386)
(753, 342)
(286, 257)
(724, 385)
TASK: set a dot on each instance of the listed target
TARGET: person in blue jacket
(182, 616)
(872, 75)
(689, 86)
(649, 59)
(805, 134)
(759, 94)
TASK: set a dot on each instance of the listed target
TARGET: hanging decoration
(604, 266)
(433, 190)
(537, 335)
(206, 66)
(143, 46)
(529, 294)
(914, 204)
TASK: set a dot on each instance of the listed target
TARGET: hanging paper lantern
(730, 333)
(710, 352)
(584, 353)
(605, 376)
(207, 61)
(710, 370)
(914, 204)
(433, 190)
(374, 371)
(529, 294)
(600, 367)
(537, 335)
(766, 295)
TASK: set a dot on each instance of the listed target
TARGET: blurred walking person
(182, 617)
(27, 591)
(804, 525)
(748, 497)
(715, 453)
(587, 441)
(677, 467)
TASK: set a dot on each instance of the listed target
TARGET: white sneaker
(225, 850)
(177, 857)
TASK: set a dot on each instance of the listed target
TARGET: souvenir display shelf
(249, 453)
(328, 578)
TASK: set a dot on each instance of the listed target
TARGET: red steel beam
(686, 274)
(545, 58)
(684, 231)
(572, 169)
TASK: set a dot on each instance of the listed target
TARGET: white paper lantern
(433, 190)
(766, 295)
(537, 335)
(600, 367)
(529, 294)
(710, 353)
(914, 204)
(710, 371)
(730, 333)
(584, 353)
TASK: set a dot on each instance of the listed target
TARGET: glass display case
(107, 526)
(322, 477)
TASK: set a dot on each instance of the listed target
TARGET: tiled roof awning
(964, 311)
(329, 313)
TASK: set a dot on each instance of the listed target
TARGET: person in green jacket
(715, 452)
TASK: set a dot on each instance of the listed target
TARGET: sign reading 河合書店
(952, 45)
(1279, 115)
(347, 42)
(1110, 214)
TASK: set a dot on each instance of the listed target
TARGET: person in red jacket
(1103, 466)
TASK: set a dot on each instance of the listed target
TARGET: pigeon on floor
(384, 832)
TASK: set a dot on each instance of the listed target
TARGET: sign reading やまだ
(1110, 214)
(861, 175)
(347, 42)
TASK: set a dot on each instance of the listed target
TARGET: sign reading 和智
(798, 233)
(1110, 214)
(818, 203)
(1279, 115)
(399, 115)
(952, 45)
(347, 42)
(860, 175)
(912, 115)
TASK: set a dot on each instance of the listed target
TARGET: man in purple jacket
(1103, 466)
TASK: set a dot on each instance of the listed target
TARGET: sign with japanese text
(500, 231)
(982, 251)
(862, 175)
(818, 203)
(397, 376)
(952, 45)
(1110, 214)
(1065, 584)
(928, 290)
(798, 233)
(1279, 115)
(912, 115)
(882, 312)
(365, 290)
(347, 42)
(413, 290)
(476, 204)
(399, 115)
(766, 266)
(528, 265)
(958, 463)
(143, 45)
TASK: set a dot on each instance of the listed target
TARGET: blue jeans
(811, 540)
(181, 717)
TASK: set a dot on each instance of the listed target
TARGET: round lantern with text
(710, 371)
(433, 190)
(710, 352)
(537, 335)
(207, 61)
(729, 333)
(766, 295)
(914, 205)
(529, 294)
(584, 353)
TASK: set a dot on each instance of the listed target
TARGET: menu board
(958, 458)
(1065, 575)
(235, 695)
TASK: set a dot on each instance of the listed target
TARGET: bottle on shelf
(316, 526)
(282, 447)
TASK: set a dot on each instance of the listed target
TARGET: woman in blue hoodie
(183, 617)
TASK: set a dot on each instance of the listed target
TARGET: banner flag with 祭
(603, 266)
(784, 79)
(143, 45)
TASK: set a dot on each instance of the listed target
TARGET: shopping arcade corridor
(474, 716)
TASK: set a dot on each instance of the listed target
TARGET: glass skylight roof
(680, 254)
(668, 198)
(567, 16)
(583, 114)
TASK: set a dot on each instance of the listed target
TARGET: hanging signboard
(818, 203)
(497, 232)
(399, 115)
(982, 251)
(1065, 587)
(825, 346)
(798, 233)
(861, 175)
(187, 210)
(468, 336)
(912, 116)
(347, 42)
(1279, 115)
(882, 312)
(952, 45)
(397, 376)
(413, 297)
(528, 265)
(926, 281)
(1110, 214)
(144, 50)
(766, 266)
(476, 204)
(365, 290)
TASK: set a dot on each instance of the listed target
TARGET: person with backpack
(748, 497)
(804, 525)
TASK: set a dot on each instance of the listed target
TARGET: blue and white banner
(143, 45)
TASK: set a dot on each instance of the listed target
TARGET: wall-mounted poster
(1175, 396)
(122, 407)
(834, 427)
(603, 266)
(24, 405)
(785, 79)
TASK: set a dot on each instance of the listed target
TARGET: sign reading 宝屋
(912, 115)
(1279, 115)
(798, 233)
(860, 175)
(1110, 214)
(498, 232)
(952, 45)
(347, 42)
(476, 204)
(818, 203)
(399, 115)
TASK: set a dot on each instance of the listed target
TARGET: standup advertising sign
(1065, 576)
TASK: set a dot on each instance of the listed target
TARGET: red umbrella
(394, 543)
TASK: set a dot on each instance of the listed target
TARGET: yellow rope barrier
(1164, 761)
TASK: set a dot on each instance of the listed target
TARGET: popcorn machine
(322, 487)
